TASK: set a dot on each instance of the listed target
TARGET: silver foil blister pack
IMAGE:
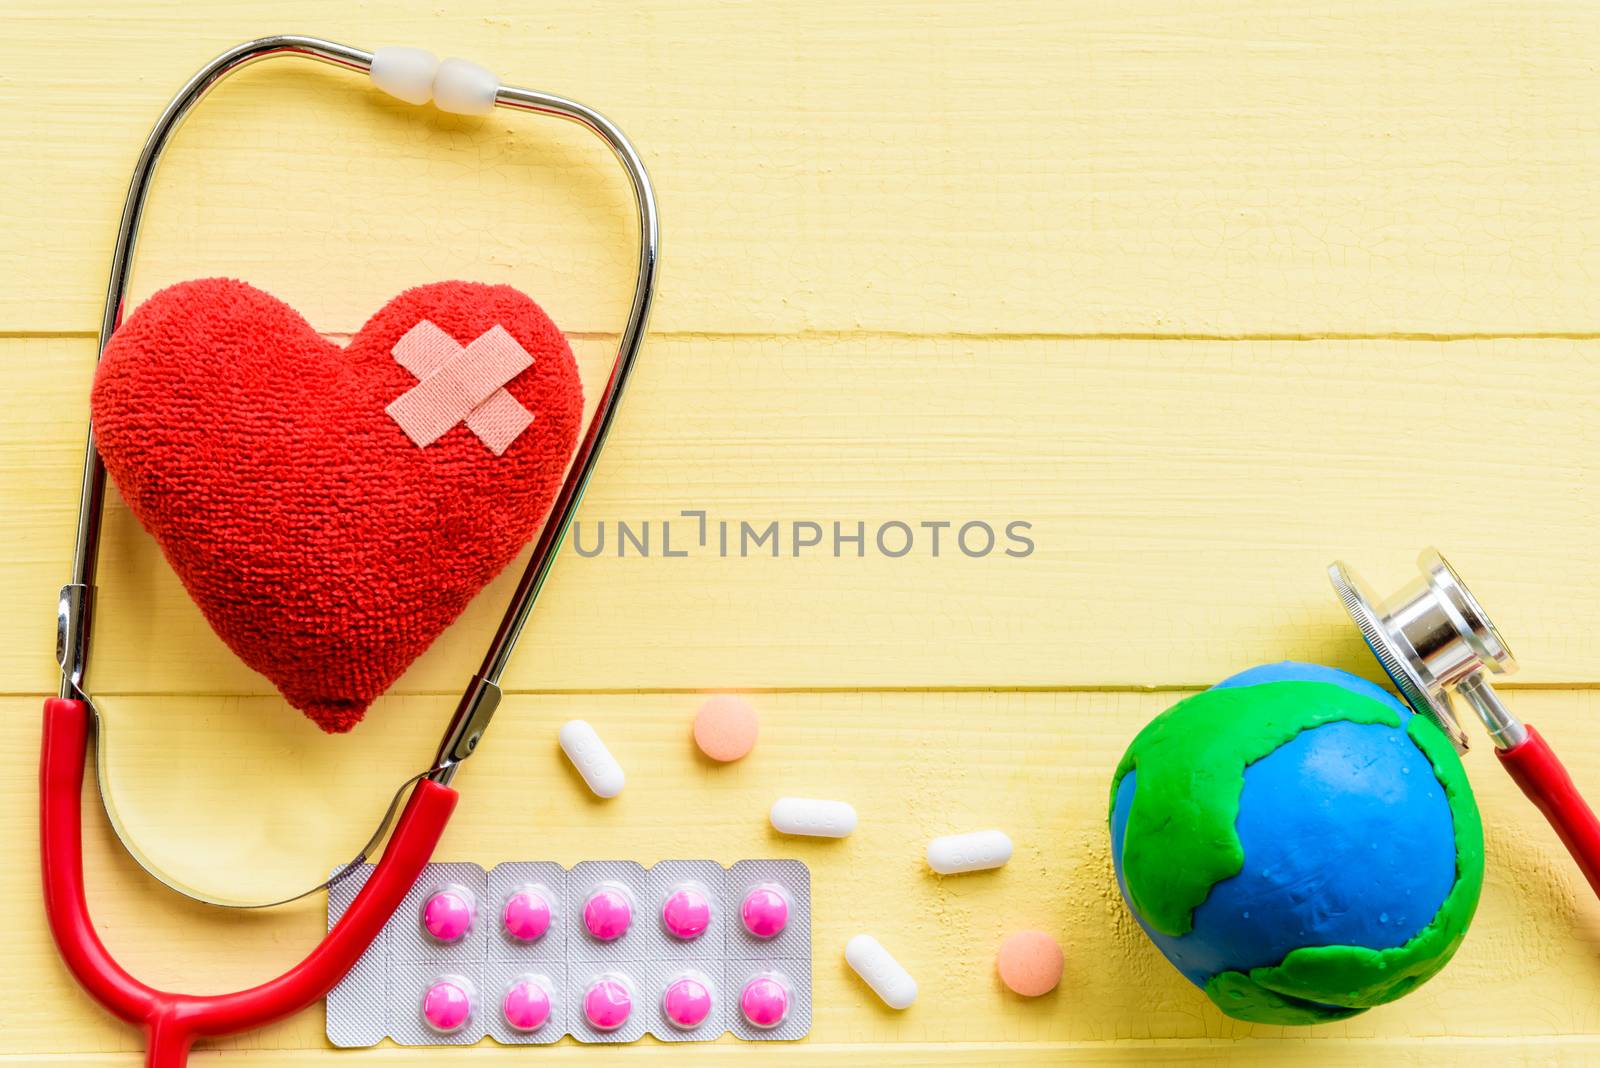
(607, 951)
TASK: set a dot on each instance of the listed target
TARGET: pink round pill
(526, 915)
(686, 1001)
(764, 1001)
(765, 911)
(447, 1004)
(447, 916)
(607, 1003)
(526, 1005)
(686, 913)
(608, 913)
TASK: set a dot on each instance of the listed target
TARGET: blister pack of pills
(607, 951)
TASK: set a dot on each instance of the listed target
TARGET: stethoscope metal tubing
(478, 703)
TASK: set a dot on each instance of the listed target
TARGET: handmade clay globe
(1298, 843)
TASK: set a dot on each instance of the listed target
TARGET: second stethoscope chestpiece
(1437, 644)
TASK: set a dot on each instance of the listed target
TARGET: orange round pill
(1030, 963)
(725, 728)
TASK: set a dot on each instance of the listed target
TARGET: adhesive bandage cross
(459, 383)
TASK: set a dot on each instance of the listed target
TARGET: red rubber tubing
(1534, 766)
(172, 1022)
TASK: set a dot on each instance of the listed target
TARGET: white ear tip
(464, 88)
(404, 72)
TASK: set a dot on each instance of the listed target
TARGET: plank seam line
(963, 335)
(668, 691)
(1574, 1040)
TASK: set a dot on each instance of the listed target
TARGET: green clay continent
(1244, 999)
(1311, 982)
(1181, 839)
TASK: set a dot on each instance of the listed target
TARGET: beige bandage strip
(459, 383)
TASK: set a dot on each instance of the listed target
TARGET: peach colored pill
(1030, 963)
(725, 728)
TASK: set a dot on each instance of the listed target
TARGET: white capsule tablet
(820, 819)
(593, 760)
(881, 971)
(977, 851)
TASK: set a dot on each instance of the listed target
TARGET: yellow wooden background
(1211, 292)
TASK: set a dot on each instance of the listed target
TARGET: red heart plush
(324, 546)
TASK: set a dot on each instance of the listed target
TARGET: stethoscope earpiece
(1436, 643)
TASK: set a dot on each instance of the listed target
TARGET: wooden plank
(914, 764)
(1184, 501)
(1477, 1053)
(1024, 167)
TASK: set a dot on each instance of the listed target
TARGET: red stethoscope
(173, 1021)
(1437, 644)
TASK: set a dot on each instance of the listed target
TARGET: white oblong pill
(593, 760)
(820, 819)
(977, 851)
(881, 971)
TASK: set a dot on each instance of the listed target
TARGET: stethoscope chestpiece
(1436, 643)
